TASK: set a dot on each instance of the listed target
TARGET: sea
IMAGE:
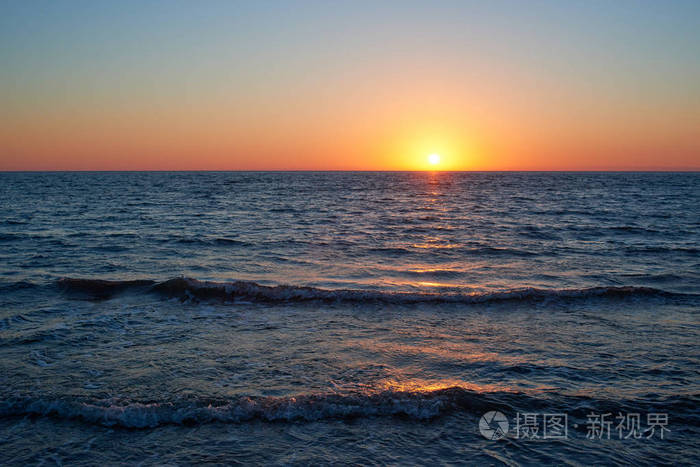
(374, 318)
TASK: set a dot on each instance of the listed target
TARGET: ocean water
(374, 318)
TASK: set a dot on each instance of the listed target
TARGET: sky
(349, 85)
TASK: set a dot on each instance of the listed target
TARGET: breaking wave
(193, 289)
(420, 405)
(413, 405)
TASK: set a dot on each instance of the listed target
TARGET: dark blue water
(296, 318)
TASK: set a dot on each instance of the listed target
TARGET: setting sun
(434, 159)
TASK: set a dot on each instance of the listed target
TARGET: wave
(100, 288)
(661, 249)
(304, 407)
(18, 285)
(192, 289)
(414, 405)
(207, 241)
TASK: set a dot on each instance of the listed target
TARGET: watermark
(495, 425)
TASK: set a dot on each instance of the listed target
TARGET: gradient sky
(276, 85)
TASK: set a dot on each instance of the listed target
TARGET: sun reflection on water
(424, 385)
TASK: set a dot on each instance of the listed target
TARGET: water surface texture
(295, 318)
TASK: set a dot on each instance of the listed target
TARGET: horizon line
(678, 170)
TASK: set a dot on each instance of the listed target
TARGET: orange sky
(363, 97)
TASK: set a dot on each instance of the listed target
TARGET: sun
(434, 159)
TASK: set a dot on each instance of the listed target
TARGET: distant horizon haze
(679, 170)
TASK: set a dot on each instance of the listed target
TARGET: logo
(493, 425)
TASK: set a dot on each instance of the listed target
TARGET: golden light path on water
(424, 385)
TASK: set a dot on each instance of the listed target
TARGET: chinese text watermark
(495, 425)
